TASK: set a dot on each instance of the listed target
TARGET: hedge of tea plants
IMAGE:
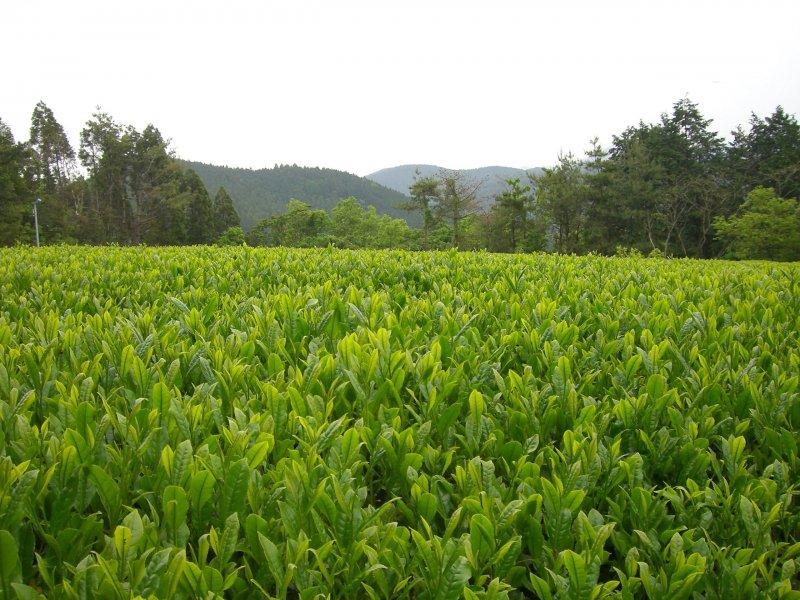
(288, 423)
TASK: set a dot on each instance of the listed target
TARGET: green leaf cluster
(236, 422)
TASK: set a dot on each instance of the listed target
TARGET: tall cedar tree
(16, 192)
(53, 171)
(199, 211)
(154, 180)
(54, 157)
(104, 152)
(225, 215)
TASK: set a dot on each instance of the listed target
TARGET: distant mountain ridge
(260, 193)
(401, 177)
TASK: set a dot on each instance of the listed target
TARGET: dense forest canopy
(675, 187)
(262, 193)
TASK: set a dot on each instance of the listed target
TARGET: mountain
(260, 193)
(400, 178)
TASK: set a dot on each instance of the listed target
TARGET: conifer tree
(199, 211)
(15, 191)
(54, 157)
(225, 215)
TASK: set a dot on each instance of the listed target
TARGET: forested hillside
(261, 193)
(492, 179)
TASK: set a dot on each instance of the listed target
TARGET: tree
(137, 190)
(493, 230)
(561, 196)
(104, 152)
(424, 198)
(514, 205)
(457, 201)
(766, 227)
(353, 226)
(299, 225)
(391, 232)
(52, 170)
(163, 207)
(350, 224)
(626, 198)
(767, 155)
(690, 155)
(607, 225)
(153, 183)
(670, 173)
(199, 211)
(54, 157)
(16, 191)
(225, 215)
(233, 236)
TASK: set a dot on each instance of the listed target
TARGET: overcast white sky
(360, 86)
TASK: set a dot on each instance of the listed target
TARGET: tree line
(674, 187)
(132, 189)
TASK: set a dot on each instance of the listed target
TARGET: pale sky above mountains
(359, 86)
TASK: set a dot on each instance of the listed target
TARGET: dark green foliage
(53, 156)
(515, 206)
(225, 215)
(16, 193)
(261, 193)
(767, 155)
(53, 172)
(137, 191)
(199, 211)
(155, 181)
(515, 223)
(624, 195)
(661, 186)
(665, 182)
(104, 152)
(562, 197)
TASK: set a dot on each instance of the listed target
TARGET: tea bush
(284, 423)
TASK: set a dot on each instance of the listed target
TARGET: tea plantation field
(285, 423)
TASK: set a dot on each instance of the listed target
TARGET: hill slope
(401, 177)
(260, 193)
